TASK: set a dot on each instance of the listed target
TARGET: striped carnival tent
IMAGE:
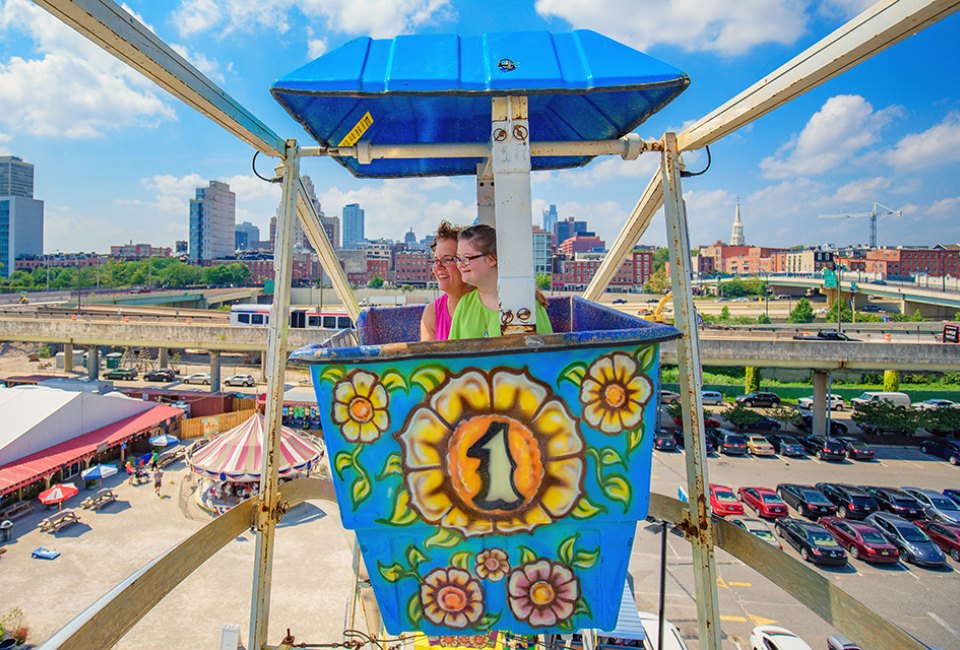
(235, 455)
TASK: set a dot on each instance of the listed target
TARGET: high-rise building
(736, 233)
(541, 251)
(568, 228)
(21, 215)
(247, 235)
(331, 225)
(16, 177)
(213, 222)
(550, 219)
(353, 227)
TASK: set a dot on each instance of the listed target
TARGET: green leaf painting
(393, 380)
(333, 374)
(574, 373)
(428, 376)
(393, 467)
(443, 539)
(586, 509)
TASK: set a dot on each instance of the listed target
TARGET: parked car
(862, 540)
(664, 441)
(709, 441)
(672, 639)
(824, 448)
(772, 637)
(825, 335)
(757, 528)
(711, 397)
(723, 501)
(765, 424)
(871, 308)
(949, 450)
(812, 540)
(897, 399)
(708, 422)
(913, 543)
(127, 374)
(896, 501)
(944, 535)
(198, 378)
(935, 405)
(731, 443)
(840, 642)
(857, 449)
(786, 445)
(159, 375)
(835, 401)
(953, 494)
(758, 398)
(240, 380)
(807, 500)
(852, 502)
(936, 506)
(805, 423)
(757, 445)
(764, 502)
(669, 397)
(619, 301)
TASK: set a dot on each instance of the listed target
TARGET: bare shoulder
(428, 322)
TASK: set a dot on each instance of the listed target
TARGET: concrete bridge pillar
(93, 362)
(263, 367)
(214, 371)
(163, 357)
(68, 357)
(819, 412)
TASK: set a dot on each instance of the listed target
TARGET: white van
(897, 399)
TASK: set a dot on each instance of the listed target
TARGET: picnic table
(171, 457)
(62, 519)
(20, 509)
(102, 498)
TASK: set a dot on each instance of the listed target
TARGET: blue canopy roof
(436, 88)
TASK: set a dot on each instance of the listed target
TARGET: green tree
(740, 416)
(876, 417)
(846, 316)
(658, 282)
(784, 414)
(802, 312)
(763, 319)
(543, 281)
(941, 421)
(891, 381)
(375, 282)
(724, 315)
(660, 258)
(752, 379)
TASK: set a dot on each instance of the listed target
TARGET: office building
(331, 226)
(247, 235)
(16, 177)
(353, 227)
(213, 222)
(21, 216)
(542, 262)
(550, 219)
(569, 227)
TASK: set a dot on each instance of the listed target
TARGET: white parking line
(945, 625)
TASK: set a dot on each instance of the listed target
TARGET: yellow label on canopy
(357, 131)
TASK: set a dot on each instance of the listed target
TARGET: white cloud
(843, 9)
(394, 206)
(317, 47)
(936, 146)
(377, 18)
(728, 28)
(211, 68)
(844, 127)
(603, 170)
(75, 89)
(949, 206)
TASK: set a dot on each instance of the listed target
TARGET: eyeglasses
(443, 261)
(463, 260)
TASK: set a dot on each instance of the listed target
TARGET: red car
(862, 540)
(724, 501)
(708, 422)
(944, 535)
(764, 502)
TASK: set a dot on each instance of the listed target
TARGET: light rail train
(300, 318)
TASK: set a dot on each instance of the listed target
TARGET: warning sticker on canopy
(357, 131)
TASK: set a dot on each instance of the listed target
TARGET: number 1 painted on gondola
(497, 491)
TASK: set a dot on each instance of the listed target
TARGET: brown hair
(483, 238)
(446, 230)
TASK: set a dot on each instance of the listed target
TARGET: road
(921, 601)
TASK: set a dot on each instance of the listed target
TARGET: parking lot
(924, 602)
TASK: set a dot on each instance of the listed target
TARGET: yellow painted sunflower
(492, 453)
(360, 407)
(613, 393)
(492, 564)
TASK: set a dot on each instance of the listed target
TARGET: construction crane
(879, 210)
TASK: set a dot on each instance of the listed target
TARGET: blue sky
(118, 160)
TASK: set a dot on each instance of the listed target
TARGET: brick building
(413, 267)
(575, 273)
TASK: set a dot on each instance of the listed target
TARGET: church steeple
(736, 234)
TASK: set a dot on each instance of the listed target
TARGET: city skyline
(886, 131)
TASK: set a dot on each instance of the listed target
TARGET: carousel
(228, 467)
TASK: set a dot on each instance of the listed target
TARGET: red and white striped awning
(235, 455)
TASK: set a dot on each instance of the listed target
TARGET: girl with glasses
(478, 313)
(437, 316)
